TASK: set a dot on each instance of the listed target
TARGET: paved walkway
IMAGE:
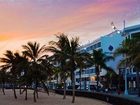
(130, 97)
(44, 99)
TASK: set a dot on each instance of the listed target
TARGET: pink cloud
(36, 18)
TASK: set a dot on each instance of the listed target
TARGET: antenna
(124, 24)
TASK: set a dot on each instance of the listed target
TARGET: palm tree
(10, 64)
(131, 49)
(134, 55)
(46, 71)
(66, 52)
(99, 59)
(110, 77)
(82, 63)
(3, 77)
(59, 49)
(81, 66)
(33, 51)
(57, 72)
(74, 57)
(22, 68)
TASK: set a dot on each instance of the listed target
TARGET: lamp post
(123, 34)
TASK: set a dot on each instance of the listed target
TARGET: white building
(108, 44)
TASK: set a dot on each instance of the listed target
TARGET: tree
(22, 68)
(3, 78)
(111, 78)
(46, 71)
(9, 65)
(72, 56)
(99, 59)
(131, 50)
(60, 50)
(65, 51)
(33, 51)
(83, 62)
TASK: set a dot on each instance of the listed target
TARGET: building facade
(108, 44)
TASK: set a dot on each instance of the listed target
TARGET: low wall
(115, 100)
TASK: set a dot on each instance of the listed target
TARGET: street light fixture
(123, 34)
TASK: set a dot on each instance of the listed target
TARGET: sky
(39, 20)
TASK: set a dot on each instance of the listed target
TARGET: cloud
(23, 19)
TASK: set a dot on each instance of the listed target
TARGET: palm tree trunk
(97, 74)
(37, 90)
(64, 97)
(80, 78)
(57, 79)
(37, 94)
(138, 82)
(20, 90)
(34, 93)
(45, 87)
(85, 84)
(14, 91)
(26, 92)
(110, 83)
(3, 86)
(97, 82)
(73, 85)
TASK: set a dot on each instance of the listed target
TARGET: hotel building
(108, 44)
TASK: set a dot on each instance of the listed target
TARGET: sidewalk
(130, 97)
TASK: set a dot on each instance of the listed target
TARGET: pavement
(130, 97)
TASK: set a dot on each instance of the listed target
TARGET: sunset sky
(38, 20)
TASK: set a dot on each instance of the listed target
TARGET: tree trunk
(97, 82)
(20, 90)
(110, 83)
(26, 92)
(3, 86)
(73, 85)
(57, 81)
(45, 87)
(37, 94)
(97, 74)
(80, 78)
(64, 97)
(34, 93)
(35, 89)
(138, 82)
(14, 91)
(85, 83)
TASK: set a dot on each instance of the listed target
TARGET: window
(77, 73)
(135, 35)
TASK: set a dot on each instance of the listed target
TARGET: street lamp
(123, 34)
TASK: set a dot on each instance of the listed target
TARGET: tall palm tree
(99, 59)
(9, 65)
(131, 49)
(73, 56)
(3, 78)
(46, 71)
(66, 52)
(22, 68)
(82, 63)
(59, 49)
(33, 51)
(111, 76)
(134, 55)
